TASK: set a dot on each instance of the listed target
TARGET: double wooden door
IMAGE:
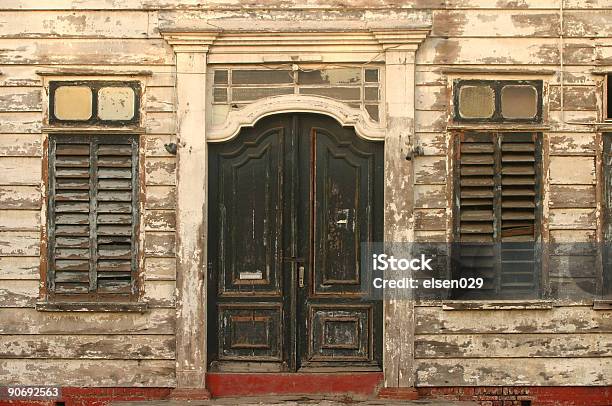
(290, 202)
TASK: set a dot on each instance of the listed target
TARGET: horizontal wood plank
(31, 321)
(72, 51)
(160, 99)
(430, 219)
(434, 320)
(20, 99)
(572, 196)
(430, 170)
(572, 170)
(155, 144)
(159, 220)
(575, 98)
(572, 218)
(20, 123)
(18, 293)
(160, 197)
(20, 197)
(26, 75)
(160, 268)
(74, 24)
(160, 293)
(514, 372)
(160, 171)
(89, 373)
(19, 220)
(19, 243)
(20, 171)
(513, 345)
(572, 144)
(20, 145)
(118, 347)
(19, 268)
(160, 244)
(430, 196)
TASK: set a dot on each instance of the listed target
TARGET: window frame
(95, 86)
(48, 295)
(47, 300)
(497, 86)
(538, 292)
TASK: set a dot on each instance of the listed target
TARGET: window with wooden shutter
(497, 212)
(93, 217)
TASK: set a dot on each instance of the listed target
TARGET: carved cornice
(185, 41)
(365, 127)
(288, 42)
(401, 39)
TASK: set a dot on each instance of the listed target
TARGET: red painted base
(399, 393)
(363, 384)
(95, 396)
(189, 394)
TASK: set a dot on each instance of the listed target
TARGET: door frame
(296, 223)
(396, 48)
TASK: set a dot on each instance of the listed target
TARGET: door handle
(301, 270)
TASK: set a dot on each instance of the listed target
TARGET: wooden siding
(82, 348)
(450, 346)
(520, 347)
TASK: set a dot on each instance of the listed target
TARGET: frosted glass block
(339, 93)
(337, 76)
(371, 75)
(72, 103)
(261, 77)
(519, 101)
(220, 77)
(476, 101)
(116, 103)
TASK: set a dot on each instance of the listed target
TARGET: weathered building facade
(184, 186)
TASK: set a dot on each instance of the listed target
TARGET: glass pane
(261, 77)
(476, 101)
(72, 103)
(220, 77)
(371, 75)
(220, 95)
(340, 93)
(340, 76)
(254, 93)
(519, 101)
(372, 110)
(371, 93)
(116, 103)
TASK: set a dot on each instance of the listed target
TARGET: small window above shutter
(93, 213)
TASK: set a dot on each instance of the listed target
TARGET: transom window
(498, 101)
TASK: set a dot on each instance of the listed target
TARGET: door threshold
(352, 384)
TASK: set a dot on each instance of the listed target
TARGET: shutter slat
(94, 201)
(114, 224)
(497, 190)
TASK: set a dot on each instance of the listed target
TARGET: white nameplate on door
(251, 275)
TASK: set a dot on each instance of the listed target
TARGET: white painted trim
(365, 127)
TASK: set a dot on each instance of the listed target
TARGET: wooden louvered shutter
(496, 211)
(93, 216)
